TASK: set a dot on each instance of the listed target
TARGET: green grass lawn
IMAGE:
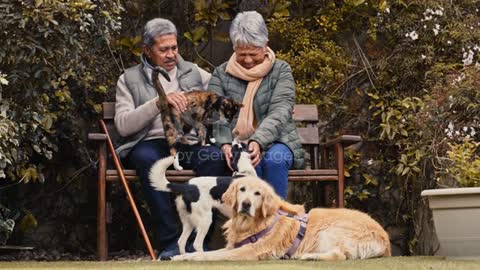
(393, 263)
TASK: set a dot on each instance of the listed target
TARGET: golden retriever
(331, 234)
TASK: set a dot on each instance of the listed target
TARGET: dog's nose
(246, 205)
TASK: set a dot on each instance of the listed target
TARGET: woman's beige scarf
(244, 128)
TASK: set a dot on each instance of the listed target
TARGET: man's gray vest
(142, 90)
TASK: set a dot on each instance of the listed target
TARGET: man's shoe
(173, 250)
(170, 251)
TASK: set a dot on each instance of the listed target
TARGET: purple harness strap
(301, 233)
(254, 238)
(296, 243)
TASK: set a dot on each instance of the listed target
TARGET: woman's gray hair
(249, 28)
(157, 27)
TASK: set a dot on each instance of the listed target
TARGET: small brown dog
(331, 234)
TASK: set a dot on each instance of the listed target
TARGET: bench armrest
(345, 140)
(97, 136)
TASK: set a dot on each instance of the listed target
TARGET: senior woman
(266, 88)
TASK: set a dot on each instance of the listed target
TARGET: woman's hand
(178, 101)
(227, 151)
(255, 151)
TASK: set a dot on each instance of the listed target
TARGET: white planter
(456, 214)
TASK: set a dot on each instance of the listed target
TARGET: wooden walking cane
(127, 190)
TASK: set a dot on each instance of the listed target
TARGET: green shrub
(55, 59)
(398, 73)
(464, 163)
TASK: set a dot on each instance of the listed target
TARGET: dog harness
(254, 238)
(296, 243)
(301, 233)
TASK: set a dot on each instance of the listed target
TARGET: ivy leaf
(222, 37)
(3, 80)
(47, 122)
(363, 195)
(198, 33)
(399, 169)
(224, 16)
(372, 95)
(28, 223)
(30, 174)
(354, 3)
(200, 5)
(370, 180)
(348, 191)
(101, 89)
(188, 36)
(37, 148)
(383, 5)
(48, 155)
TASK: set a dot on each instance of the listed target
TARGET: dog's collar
(254, 238)
(301, 232)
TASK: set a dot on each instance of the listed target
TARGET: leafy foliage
(53, 54)
(465, 163)
(401, 74)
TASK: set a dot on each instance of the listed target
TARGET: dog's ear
(294, 209)
(230, 197)
(271, 203)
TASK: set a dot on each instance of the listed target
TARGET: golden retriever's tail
(157, 177)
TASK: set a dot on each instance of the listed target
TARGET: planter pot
(456, 214)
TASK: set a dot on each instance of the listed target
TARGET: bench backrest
(305, 115)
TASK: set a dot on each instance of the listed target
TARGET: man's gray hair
(157, 27)
(248, 28)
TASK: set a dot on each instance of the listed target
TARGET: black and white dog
(200, 195)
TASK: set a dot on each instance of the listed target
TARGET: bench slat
(191, 173)
(185, 175)
(112, 178)
(169, 172)
(108, 110)
(308, 135)
(305, 113)
(346, 140)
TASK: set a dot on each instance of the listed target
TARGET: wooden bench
(306, 117)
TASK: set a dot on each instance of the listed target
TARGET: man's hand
(227, 151)
(255, 151)
(178, 101)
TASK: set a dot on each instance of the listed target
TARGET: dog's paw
(176, 163)
(177, 167)
(195, 256)
(181, 257)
